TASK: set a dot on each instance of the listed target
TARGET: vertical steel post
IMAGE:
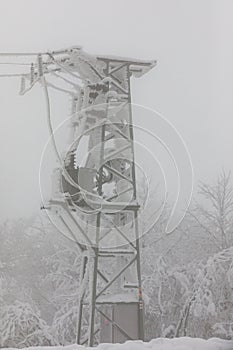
(80, 307)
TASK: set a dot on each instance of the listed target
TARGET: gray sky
(191, 85)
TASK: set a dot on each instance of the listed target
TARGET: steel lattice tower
(94, 202)
(116, 294)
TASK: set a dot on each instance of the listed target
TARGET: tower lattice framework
(94, 197)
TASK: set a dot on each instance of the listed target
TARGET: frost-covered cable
(22, 53)
(60, 89)
(65, 173)
(46, 93)
(15, 63)
(30, 87)
(10, 75)
(66, 80)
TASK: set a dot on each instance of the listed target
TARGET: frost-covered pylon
(94, 198)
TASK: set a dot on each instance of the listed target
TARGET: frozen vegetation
(187, 280)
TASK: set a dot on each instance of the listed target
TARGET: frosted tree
(21, 326)
(62, 286)
(215, 217)
(190, 299)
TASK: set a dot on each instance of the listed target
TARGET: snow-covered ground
(156, 344)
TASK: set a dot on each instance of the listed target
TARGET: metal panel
(124, 315)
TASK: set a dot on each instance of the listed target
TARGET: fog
(191, 85)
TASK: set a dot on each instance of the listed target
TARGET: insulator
(22, 85)
(40, 65)
(32, 73)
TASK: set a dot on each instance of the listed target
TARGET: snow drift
(156, 344)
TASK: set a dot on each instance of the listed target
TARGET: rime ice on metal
(94, 194)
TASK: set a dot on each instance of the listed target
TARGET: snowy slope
(156, 344)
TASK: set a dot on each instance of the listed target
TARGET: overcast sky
(191, 85)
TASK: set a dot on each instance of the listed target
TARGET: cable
(15, 63)
(66, 80)
(66, 174)
(46, 93)
(45, 85)
(23, 92)
(22, 53)
(60, 89)
(11, 75)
